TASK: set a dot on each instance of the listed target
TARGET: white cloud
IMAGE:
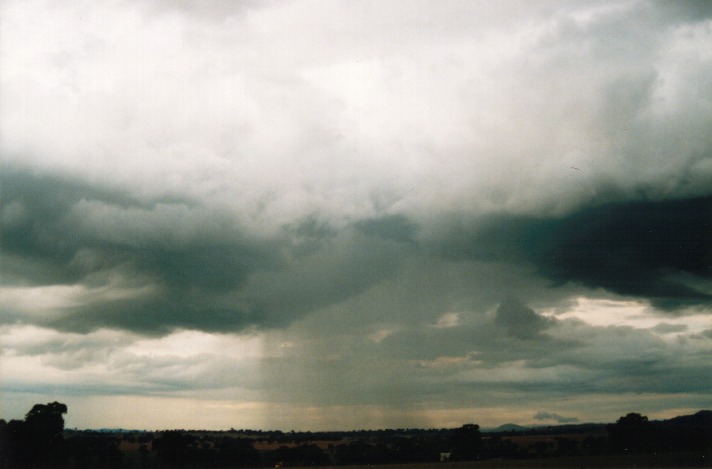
(279, 114)
(605, 312)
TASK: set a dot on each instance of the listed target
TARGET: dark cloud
(515, 335)
(660, 376)
(396, 227)
(635, 249)
(521, 321)
(556, 417)
(648, 249)
(53, 220)
(685, 10)
(197, 268)
(341, 267)
(63, 232)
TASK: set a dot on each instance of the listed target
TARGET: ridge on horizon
(506, 427)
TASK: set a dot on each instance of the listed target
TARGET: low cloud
(555, 417)
(667, 328)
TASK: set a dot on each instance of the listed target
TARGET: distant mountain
(507, 427)
(701, 418)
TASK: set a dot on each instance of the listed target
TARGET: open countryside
(41, 441)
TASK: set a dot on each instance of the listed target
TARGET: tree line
(40, 441)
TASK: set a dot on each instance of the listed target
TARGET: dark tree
(496, 447)
(307, 454)
(6, 447)
(45, 424)
(47, 418)
(236, 452)
(467, 442)
(632, 434)
(176, 448)
(93, 450)
(414, 449)
(37, 441)
(358, 453)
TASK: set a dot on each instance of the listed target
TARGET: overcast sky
(330, 215)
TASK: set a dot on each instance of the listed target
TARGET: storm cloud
(392, 214)
(658, 250)
(177, 263)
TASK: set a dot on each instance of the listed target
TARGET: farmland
(633, 441)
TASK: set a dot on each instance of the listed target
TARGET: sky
(334, 215)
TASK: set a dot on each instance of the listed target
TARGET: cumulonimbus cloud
(249, 181)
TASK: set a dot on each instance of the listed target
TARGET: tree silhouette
(46, 419)
(36, 441)
(175, 448)
(93, 450)
(466, 442)
(632, 434)
(236, 452)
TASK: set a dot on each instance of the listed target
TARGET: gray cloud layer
(405, 199)
(204, 272)
(659, 250)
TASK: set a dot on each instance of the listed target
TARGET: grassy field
(669, 460)
(698, 459)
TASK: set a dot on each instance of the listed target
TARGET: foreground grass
(667, 460)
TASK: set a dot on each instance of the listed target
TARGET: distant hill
(507, 427)
(701, 418)
(683, 441)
